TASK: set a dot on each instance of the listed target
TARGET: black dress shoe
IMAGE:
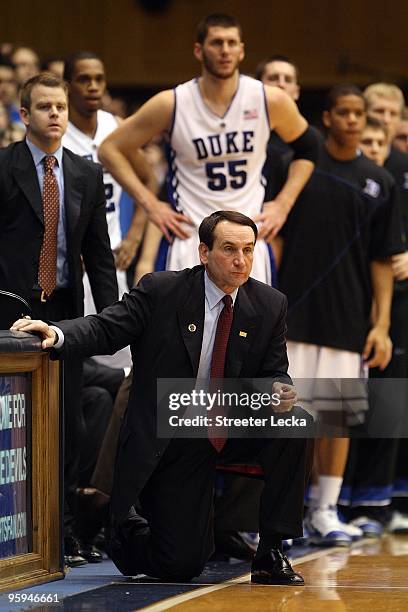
(274, 568)
(100, 541)
(231, 544)
(122, 540)
(72, 557)
(89, 551)
(74, 560)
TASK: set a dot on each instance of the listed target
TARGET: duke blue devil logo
(372, 188)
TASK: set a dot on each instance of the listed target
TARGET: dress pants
(58, 307)
(100, 386)
(171, 536)
(102, 477)
(237, 503)
(97, 406)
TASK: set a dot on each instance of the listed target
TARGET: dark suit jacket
(22, 226)
(154, 318)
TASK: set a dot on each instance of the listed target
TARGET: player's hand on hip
(378, 348)
(400, 266)
(272, 217)
(48, 335)
(287, 396)
(124, 253)
(169, 221)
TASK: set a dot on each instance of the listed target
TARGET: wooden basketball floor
(371, 576)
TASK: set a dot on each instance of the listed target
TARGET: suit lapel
(191, 320)
(74, 184)
(26, 178)
(244, 325)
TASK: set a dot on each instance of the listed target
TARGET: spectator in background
(4, 125)
(54, 64)
(401, 134)
(6, 49)
(114, 104)
(8, 89)
(9, 132)
(26, 62)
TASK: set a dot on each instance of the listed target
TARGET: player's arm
(119, 151)
(378, 346)
(149, 252)
(284, 117)
(127, 249)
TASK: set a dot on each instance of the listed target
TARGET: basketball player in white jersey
(217, 127)
(87, 127)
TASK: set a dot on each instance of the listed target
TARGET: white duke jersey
(83, 145)
(216, 163)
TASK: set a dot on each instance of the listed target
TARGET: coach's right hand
(49, 336)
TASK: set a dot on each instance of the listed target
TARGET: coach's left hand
(287, 396)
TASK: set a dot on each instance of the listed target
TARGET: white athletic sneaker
(370, 527)
(325, 527)
(398, 523)
(352, 530)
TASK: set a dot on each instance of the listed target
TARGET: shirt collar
(213, 294)
(38, 154)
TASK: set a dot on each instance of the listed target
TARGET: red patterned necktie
(218, 364)
(47, 270)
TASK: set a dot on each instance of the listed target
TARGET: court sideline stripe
(166, 604)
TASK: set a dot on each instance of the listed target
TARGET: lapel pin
(243, 334)
(192, 327)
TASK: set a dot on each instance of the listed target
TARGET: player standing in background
(385, 101)
(88, 125)
(217, 126)
(280, 71)
(401, 134)
(338, 244)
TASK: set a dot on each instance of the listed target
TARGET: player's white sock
(313, 495)
(328, 490)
